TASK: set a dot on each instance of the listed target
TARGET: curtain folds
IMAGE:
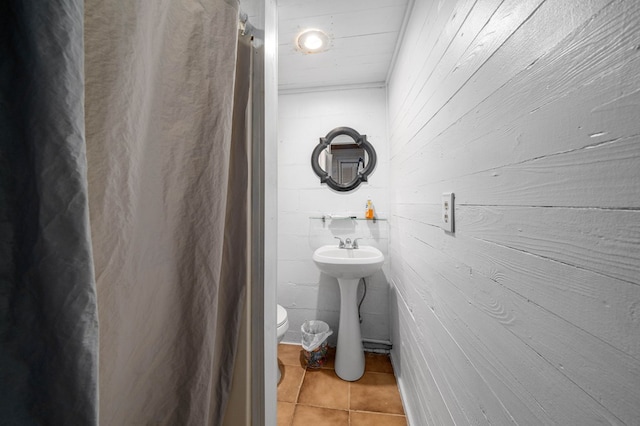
(235, 259)
(168, 212)
(48, 313)
(124, 198)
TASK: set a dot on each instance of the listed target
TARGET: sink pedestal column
(349, 363)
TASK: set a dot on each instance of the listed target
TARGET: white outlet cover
(447, 216)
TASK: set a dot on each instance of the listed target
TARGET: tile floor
(319, 397)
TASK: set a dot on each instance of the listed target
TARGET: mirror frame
(361, 141)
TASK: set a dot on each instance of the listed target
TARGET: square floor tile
(358, 418)
(376, 392)
(320, 397)
(317, 416)
(377, 363)
(323, 388)
(290, 354)
(289, 385)
(285, 413)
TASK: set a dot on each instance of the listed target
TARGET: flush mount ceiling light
(312, 41)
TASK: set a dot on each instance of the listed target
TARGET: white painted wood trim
(403, 29)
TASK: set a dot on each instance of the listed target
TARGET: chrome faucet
(348, 244)
(351, 244)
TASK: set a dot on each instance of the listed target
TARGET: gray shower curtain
(48, 321)
(166, 200)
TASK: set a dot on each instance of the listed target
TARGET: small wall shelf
(325, 218)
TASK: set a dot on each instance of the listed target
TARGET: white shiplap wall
(306, 294)
(530, 112)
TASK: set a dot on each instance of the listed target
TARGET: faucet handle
(355, 242)
(341, 244)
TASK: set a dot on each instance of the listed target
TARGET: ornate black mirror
(343, 159)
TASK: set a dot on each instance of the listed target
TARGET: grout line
(304, 375)
(297, 403)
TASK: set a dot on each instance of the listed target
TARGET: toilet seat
(282, 327)
(281, 316)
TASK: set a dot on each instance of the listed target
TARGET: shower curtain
(154, 208)
(48, 321)
(159, 107)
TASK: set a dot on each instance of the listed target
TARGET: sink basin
(348, 263)
(349, 266)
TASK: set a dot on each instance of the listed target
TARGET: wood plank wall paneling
(530, 313)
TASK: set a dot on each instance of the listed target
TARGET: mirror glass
(343, 159)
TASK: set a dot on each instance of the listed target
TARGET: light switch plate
(447, 212)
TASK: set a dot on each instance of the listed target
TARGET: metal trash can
(314, 342)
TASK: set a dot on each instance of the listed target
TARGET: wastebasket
(314, 342)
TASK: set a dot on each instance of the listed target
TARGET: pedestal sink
(349, 265)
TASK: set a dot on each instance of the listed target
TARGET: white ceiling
(363, 34)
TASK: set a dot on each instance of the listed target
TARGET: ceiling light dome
(312, 41)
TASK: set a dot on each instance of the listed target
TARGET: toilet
(282, 327)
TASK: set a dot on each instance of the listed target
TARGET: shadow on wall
(324, 232)
(342, 227)
(374, 309)
(329, 296)
(394, 331)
